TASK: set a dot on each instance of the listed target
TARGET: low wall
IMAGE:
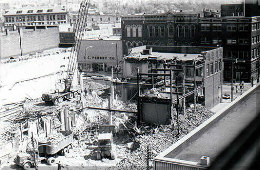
(197, 132)
(13, 44)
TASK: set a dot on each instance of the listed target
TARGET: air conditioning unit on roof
(205, 161)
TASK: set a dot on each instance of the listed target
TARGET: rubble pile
(189, 121)
(159, 138)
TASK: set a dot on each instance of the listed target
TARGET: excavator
(67, 92)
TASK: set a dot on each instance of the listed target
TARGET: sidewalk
(237, 96)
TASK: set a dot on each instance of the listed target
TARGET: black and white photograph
(129, 84)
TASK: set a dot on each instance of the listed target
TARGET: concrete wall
(31, 41)
(130, 68)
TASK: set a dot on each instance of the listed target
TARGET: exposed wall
(213, 82)
(31, 41)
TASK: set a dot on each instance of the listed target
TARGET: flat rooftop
(137, 54)
(218, 135)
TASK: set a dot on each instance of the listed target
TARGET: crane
(72, 65)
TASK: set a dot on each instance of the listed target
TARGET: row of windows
(211, 69)
(255, 26)
(182, 31)
(229, 27)
(218, 40)
(256, 39)
(238, 54)
(134, 31)
(35, 18)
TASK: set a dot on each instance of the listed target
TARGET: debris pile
(159, 138)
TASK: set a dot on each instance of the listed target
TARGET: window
(134, 31)
(30, 11)
(243, 27)
(50, 10)
(231, 27)
(128, 31)
(162, 31)
(220, 65)
(100, 19)
(18, 12)
(208, 73)
(243, 41)
(150, 31)
(253, 27)
(231, 41)
(39, 11)
(139, 31)
(204, 40)
(216, 41)
(205, 27)
(171, 31)
(216, 66)
(186, 31)
(178, 31)
(156, 31)
(217, 27)
(192, 31)
(211, 69)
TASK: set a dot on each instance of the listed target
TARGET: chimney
(205, 161)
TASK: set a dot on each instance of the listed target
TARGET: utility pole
(177, 108)
(232, 72)
(138, 99)
(195, 87)
(147, 157)
(184, 89)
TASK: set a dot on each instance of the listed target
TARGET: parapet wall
(180, 49)
(28, 41)
(166, 158)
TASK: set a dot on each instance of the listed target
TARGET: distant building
(249, 8)
(208, 62)
(34, 17)
(100, 56)
(96, 18)
(239, 36)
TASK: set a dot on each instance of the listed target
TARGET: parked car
(226, 96)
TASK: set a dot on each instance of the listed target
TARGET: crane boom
(79, 27)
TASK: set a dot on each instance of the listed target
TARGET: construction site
(61, 117)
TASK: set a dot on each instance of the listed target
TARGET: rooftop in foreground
(214, 137)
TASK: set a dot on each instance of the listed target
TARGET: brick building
(36, 17)
(160, 29)
(203, 65)
(238, 35)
